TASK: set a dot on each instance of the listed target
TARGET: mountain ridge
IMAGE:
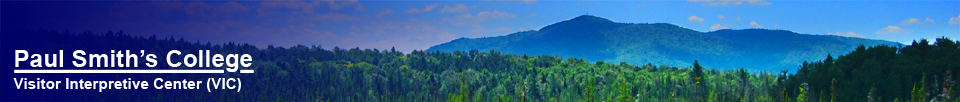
(600, 39)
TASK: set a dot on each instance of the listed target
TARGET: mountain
(599, 39)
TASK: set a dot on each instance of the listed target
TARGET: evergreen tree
(697, 74)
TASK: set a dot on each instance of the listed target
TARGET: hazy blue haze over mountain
(599, 39)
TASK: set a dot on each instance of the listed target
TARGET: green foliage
(302, 73)
(589, 93)
(917, 73)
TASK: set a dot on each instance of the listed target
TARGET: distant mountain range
(599, 39)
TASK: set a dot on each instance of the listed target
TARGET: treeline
(920, 72)
(311, 73)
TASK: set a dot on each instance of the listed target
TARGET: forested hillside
(599, 39)
(919, 72)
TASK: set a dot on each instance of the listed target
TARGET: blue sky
(417, 25)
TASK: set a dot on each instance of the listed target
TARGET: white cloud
(458, 8)
(892, 30)
(384, 12)
(847, 34)
(912, 21)
(427, 8)
(718, 27)
(955, 20)
(695, 18)
(755, 25)
(720, 17)
(730, 2)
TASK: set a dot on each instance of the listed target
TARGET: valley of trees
(920, 72)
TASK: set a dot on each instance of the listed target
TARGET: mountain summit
(599, 39)
(584, 22)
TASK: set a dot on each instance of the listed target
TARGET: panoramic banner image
(480, 50)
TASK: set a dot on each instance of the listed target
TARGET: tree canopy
(917, 72)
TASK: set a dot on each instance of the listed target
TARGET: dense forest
(917, 72)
